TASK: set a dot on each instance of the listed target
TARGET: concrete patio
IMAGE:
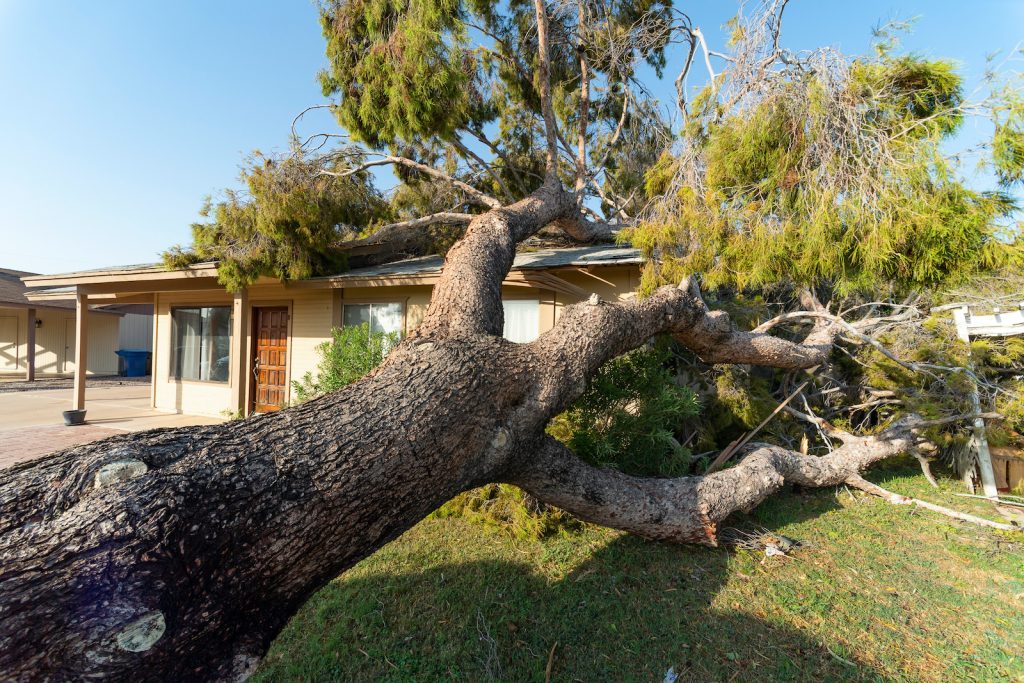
(31, 423)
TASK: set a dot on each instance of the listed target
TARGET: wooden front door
(270, 358)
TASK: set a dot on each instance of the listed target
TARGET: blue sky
(117, 117)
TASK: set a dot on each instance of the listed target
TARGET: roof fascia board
(201, 270)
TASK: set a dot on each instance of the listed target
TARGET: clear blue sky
(118, 117)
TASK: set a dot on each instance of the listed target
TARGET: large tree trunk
(179, 554)
(216, 535)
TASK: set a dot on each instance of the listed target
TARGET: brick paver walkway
(26, 443)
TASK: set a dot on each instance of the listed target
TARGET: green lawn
(878, 592)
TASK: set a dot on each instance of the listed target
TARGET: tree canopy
(288, 223)
(814, 169)
(828, 171)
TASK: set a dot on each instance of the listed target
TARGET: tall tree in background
(179, 554)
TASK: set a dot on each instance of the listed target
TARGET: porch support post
(81, 352)
(155, 348)
(30, 357)
(240, 352)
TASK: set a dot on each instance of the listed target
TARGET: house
(38, 339)
(215, 351)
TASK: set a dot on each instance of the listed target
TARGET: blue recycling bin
(134, 362)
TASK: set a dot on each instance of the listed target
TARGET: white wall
(135, 332)
(54, 352)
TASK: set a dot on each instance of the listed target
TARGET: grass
(877, 592)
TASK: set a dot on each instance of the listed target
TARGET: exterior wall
(415, 299)
(310, 321)
(623, 281)
(313, 312)
(615, 284)
(54, 352)
(135, 331)
(184, 396)
(12, 331)
(311, 318)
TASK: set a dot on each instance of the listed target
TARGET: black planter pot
(74, 417)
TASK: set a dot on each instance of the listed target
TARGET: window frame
(174, 371)
(402, 302)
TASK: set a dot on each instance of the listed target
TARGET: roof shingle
(12, 291)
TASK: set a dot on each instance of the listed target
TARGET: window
(202, 343)
(382, 317)
(522, 318)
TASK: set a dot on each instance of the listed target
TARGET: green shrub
(352, 352)
(627, 417)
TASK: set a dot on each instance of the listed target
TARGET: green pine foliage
(286, 224)
(352, 353)
(427, 79)
(627, 417)
(428, 72)
(401, 67)
(838, 182)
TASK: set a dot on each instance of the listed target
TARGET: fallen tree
(179, 554)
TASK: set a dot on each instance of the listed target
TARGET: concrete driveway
(31, 423)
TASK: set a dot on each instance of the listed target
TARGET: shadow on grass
(628, 611)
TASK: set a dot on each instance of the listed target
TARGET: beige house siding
(10, 340)
(54, 352)
(310, 320)
(615, 284)
(183, 396)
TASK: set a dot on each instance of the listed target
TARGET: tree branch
(544, 77)
(592, 333)
(584, 112)
(399, 239)
(620, 212)
(689, 509)
(589, 334)
(680, 82)
(467, 298)
(699, 35)
(855, 330)
(615, 136)
(859, 482)
(479, 135)
(385, 160)
(466, 151)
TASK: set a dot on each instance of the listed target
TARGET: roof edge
(146, 272)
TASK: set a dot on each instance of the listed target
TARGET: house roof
(541, 259)
(134, 280)
(12, 291)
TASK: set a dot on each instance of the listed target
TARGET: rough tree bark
(179, 554)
